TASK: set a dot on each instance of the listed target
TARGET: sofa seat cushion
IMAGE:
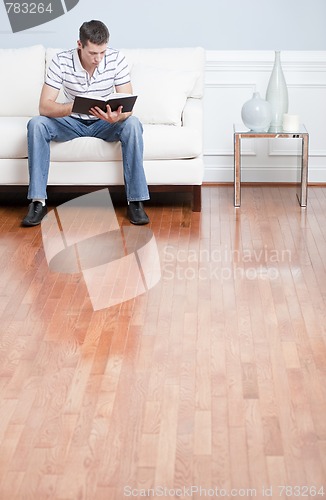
(161, 142)
(13, 137)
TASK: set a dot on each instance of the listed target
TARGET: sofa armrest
(192, 115)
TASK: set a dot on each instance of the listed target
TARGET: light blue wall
(213, 24)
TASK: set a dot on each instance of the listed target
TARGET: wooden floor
(210, 384)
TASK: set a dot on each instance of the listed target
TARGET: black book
(83, 104)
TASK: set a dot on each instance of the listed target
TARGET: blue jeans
(41, 130)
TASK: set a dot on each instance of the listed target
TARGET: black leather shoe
(136, 213)
(35, 214)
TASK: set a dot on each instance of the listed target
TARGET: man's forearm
(55, 109)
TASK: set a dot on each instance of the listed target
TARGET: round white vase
(256, 113)
(277, 93)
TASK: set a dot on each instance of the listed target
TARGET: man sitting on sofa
(91, 68)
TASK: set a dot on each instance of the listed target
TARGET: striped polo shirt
(65, 71)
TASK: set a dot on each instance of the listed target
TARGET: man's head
(95, 32)
(92, 44)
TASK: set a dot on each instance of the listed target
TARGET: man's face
(91, 54)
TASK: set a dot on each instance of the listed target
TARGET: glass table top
(242, 129)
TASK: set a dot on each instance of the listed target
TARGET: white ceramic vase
(277, 93)
(256, 113)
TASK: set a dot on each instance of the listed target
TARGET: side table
(241, 133)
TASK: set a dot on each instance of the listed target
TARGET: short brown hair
(94, 32)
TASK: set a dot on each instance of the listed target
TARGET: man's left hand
(109, 116)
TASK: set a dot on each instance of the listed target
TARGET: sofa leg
(196, 198)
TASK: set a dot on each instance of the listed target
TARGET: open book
(82, 104)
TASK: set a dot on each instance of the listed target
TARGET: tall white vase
(277, 93)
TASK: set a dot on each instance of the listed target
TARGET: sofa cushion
(25, 68)
(161, 142)
(13, 137)
(162, 93)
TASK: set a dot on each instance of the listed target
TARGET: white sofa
(169, 83)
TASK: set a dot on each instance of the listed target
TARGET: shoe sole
(139, 223)
(32, 224)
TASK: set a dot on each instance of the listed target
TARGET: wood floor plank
(215, 377)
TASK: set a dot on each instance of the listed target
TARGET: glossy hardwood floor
(212, 383)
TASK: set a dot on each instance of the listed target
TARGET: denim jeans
(41, 130)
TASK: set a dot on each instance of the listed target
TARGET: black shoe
(35, 214)
(136, 213)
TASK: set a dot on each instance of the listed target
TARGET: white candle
(291, 123)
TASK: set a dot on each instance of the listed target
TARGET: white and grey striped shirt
(65, 71)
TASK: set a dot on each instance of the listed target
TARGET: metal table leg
(237, 170)
(304, 171)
